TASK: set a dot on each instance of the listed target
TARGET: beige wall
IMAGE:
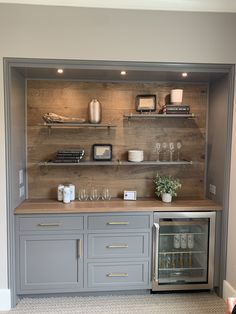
(73, 33)
(231, 256)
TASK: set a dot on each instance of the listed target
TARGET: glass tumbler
(82, 195)
(106, 196)
(94, 196)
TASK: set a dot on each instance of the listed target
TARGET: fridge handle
(156, 228)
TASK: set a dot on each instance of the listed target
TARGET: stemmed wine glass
(172, 150)
(165, 152)
(158, 150)
(178, 146)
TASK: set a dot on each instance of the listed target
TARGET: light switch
(212, 189)
(22, 191)
(21, 176)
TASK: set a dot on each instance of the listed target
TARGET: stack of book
(69, 156)
(176, 109)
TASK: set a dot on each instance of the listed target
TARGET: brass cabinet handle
(53, 224)
(117, 275)
(79, 248)
(118, 223)
(117, 246)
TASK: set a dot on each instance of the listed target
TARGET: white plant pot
(166, 197)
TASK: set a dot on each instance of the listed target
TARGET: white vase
(166, 197)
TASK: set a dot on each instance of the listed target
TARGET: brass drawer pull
(118, 223)
(54, 224)
(117, 246)
(117, 275)
(79, 248)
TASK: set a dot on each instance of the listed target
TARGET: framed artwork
(102, 152)
(145, 103)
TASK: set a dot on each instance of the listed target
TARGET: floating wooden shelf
(116, 163)
(156, 116)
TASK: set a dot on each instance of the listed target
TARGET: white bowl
(135, 155)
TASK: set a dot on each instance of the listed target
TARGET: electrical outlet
(22, 191)
(21, 176)
(212, 189)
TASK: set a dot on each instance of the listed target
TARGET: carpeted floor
(171, 303)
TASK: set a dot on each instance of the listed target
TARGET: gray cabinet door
(51, 263)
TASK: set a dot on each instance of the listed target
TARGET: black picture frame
(102, 152)
(145, 103)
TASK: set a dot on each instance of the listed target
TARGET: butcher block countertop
(46, 206)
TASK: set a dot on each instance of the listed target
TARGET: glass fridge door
(183, 251)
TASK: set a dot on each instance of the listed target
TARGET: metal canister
(72, 192)
(60, 189)
(94, 111)
(66, 194)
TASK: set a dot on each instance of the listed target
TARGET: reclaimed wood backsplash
(71, 98)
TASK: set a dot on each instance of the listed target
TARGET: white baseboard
(5, 300)
(228, 290)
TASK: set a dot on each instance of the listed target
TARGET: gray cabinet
(49, 251)
(119, 251)
(50, 263)
(89, 252)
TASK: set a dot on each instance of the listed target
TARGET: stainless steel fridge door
(183, 250)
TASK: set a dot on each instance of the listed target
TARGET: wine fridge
(183, 250)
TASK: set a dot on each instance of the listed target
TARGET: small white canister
(72, 192)
(60, 189)
(66, 194)
(135, 155)
(176, 96)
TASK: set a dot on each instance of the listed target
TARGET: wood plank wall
(71, 98)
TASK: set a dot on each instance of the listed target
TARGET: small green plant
(166, 184)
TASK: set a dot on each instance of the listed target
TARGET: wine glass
(158, 150)
(164, 152)
(178, 146)
(172, 150)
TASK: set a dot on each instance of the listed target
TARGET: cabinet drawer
(51, 223)
(116, 245)
(118, 275)
(113, 222)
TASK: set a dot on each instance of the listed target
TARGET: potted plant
(166, 187)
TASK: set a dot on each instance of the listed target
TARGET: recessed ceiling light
(60, 71)
(123, 72)
(184, 74)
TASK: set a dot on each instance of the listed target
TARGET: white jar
(60, 189)
(176, 96)
(72, 192)
(66, 194)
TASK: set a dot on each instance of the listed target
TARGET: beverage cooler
(183, 251)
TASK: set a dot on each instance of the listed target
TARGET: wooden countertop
(45, 206)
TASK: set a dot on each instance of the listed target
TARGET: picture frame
(102, 152)
(145, 103)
